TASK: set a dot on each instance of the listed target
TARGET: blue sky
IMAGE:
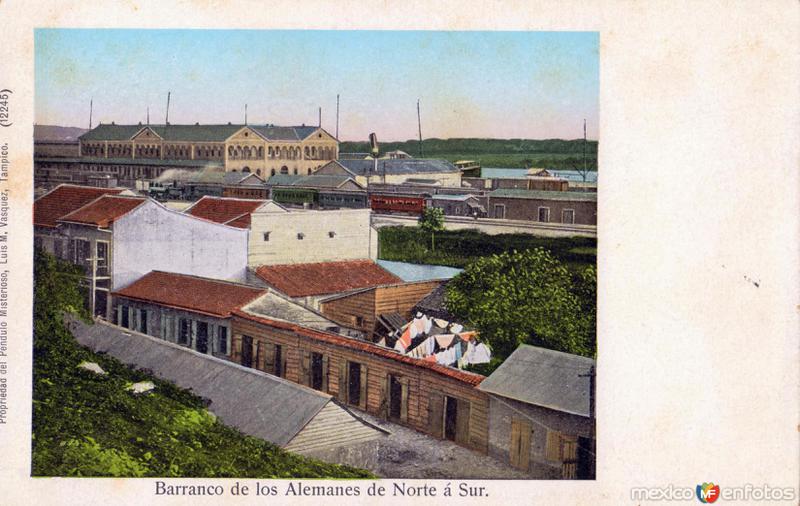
(470, 84)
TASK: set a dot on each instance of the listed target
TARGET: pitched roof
(65, 199)
(199, 133)
(514, 193)
(433, 305)
(283, 179)
(300, 280)
(191, 293)
(147, 162)
(104, 210)
(364, 346)
(323, 181)
(398, 166)
(543, 377)
(229, 211)
(278, 413)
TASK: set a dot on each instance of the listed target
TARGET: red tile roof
(104, 210)
(364, 346)
(63, 200)
(233, 212)
(300, 280)
(199, 295)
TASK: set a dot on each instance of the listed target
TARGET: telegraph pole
(319, 121)
(166, 119)
(91, 101)
(419, 125)
(148, 115)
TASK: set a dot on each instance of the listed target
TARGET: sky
(533, 85)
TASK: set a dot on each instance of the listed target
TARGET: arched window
(230, 151)
(270, 152)
(306, 151)
(272, 172)
(258, 172)
(246, 170)
(261, 152)
(309, 171)
(284, 170)
(295, 171)
(314, 152)
(246, 152)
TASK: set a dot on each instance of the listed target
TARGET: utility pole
(337, 116)
(148, 115)
(319, 122)
(166, 119)
(592, 415)
(584, 150)
(91, 102)
(419, 125)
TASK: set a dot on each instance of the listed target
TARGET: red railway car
(397, 204)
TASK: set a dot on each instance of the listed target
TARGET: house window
(499, 211)
(266, 236)
(124, 319)
(143, 321)
(331, 234)
(185, 332)
(568, 216)
(359, 321)
(222, 340)
(300, 236)
(544, 214)
(317, 371)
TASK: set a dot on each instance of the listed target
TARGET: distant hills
(57, 133)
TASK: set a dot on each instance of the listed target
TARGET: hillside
(56, 133)
(88, 424)
(547, 153)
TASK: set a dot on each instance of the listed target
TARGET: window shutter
(569, 457)
(404, 400)
(520, 450)
(363, 401)
(193, 334)
(131, 318)
(259, 354)
(283, 362)
(462, 421)
(162, 327)
(305, 368)
(343, 380)
(325, 373)
(237, 347)
(552, 449)
(384, 406)
(119, 315)
(269, 358)
(435, 413)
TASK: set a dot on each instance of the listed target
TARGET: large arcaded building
(130, 153)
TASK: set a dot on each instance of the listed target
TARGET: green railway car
(296, 196)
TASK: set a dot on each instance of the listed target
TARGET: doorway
(354, 383)
(450, 417)
(202, 337)
(317, 372)
(247, 351)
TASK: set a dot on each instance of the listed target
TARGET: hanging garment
(457, 349)
(468, 336)
(431, 358)
(431, 344)
(428, 324)
(456, 328)
(444, 340)
(382, 342)
(442, 324)
(482, 354)
(405, 339)
(469, 355)
(399, 347)
(462, 362)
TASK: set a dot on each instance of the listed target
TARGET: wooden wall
(423, 390)
(369, 304)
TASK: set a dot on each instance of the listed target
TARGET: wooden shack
(431, 398)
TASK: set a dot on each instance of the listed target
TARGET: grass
(456, 248)
(86, 424)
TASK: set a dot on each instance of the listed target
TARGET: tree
(432, 220)
(525, 297)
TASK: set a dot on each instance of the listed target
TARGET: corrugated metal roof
(64, 199)
(252, 401)
(515, 193)
(202, 295)
(419, 272)
(574, 175)
(283, 179)
(272, 305)
(399, 166)
(322, 181)
(155, 162)
(543, 377)
(104, 210)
